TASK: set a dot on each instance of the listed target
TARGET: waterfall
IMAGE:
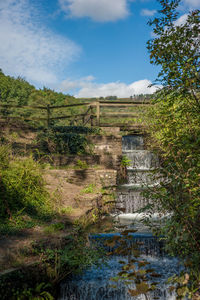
(130, 200)
(139, 176)
(149, 245)
(94, 283)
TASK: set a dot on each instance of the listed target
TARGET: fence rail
(92, 116)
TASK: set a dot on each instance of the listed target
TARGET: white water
(141, 159)
(139, 175)
(95, 283)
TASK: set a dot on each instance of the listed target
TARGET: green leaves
(176, 49)
(174, 127)
(54, 141)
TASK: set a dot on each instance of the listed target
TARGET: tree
(174, 127)
(176, 48)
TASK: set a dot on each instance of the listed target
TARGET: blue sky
(86, 48)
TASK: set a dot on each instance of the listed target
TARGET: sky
(86, 48)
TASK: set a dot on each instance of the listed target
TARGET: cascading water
(94, 283)
(139, 177)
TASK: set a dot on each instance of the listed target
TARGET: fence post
(91, 116)
(48, 115)
(98, 113)
(91, 121)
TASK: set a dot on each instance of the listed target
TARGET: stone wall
(107, 161)
(103, 164)
(104, 178)
(111, 130)
(106, 144)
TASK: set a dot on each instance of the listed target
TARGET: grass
(17, 224)
(82, 164)
(90, 189)
(24, 200)
(67, 210)
(53, 228)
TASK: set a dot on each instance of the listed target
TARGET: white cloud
(28, 48)
(181, 20)
(192, 3)
(67, 85)
(148, 12)
(97, 10)
(86, 87)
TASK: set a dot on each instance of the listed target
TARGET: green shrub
(4, 156)
(174, 130)
(22, 188)
(51, 141)
(125, 162)
(82, 164)
(90, 189)
(76, 129)
(54, 228)
(67, 210)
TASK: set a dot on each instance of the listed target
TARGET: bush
(63, 143)
(22, 188)
(81, 164)
(174, 128)
(76, 129)
(65, 139)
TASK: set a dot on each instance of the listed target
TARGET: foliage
(67, 210)
(125, 162)
(58, 259)
(51, 141)
(18, 92)
(22, 188)
(56, 227)
(66, 139)
(77, 129)
(90, 189)
(73, 255)
(15, 91)
(78, 254)
(176, 48)
(174, 129)
(81, 164)
(122, 173)
(111, 98)
(36, 293)
(23, 285)
(4, 156)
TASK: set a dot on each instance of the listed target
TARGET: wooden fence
(92, 116)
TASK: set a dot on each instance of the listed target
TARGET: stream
(95, 283)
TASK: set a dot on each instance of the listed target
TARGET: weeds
(66, 139)
(82, 164)
(67, 210)
(24, 200)
(122, 174)
(90, 189)
(125, 162)
(52, 228)
(22, 187)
